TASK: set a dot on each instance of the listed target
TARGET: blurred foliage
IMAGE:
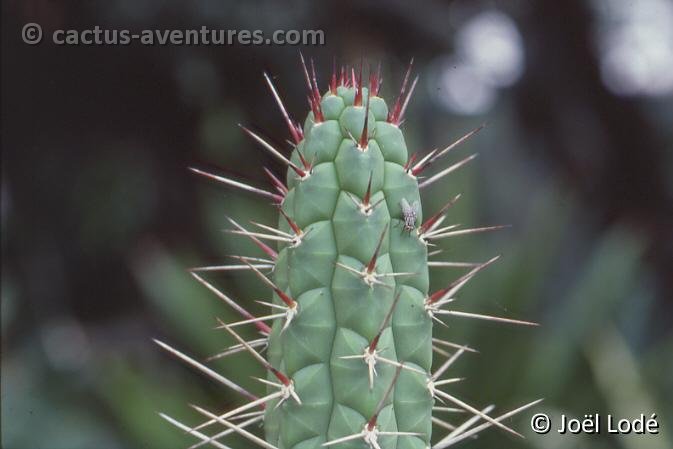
(101, 219)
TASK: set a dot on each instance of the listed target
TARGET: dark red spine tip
(295, 228)
(303, 160)
(285, 298)
(263, 327)
(316, 91)
(432, 220)
(428, 160)
(357, 101)
(333, 78)
(394, 114)
(315, 108)
(300, 131)
(277, 183)
(264, 247)
(371, 424)
(410, 161)
(436, 295)
(368, 193)
(372, 262)
(364, 138)
(301, 173)
(375, 81)
(280, 376)
(374, 343)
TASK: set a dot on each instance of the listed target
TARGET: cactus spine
(349, 344)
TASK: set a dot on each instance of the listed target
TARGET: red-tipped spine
(394, 114)
(427, 160)
(282, 378)
(436, 296)
(277, 183)
(400, 116)
(422, 229)
(375, 341)
(304, 162)
(371, 423)
(368, 193)
(375, 81)
(317, 112)
(266, 248)
(295, 228)
(316, 91)
(291, 303)
(263, 246)
(267, 146)
(260, 325)
(372, 262)
(279, 375)
(357, 101)
(314, 94)
(410, 161)
(364, 138)
(333, 79)
(240, 185)
(300, 131)
(305, 70)
(293, 131)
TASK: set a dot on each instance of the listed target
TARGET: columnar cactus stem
(348, 336)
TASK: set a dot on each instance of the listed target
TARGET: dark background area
(100, 217)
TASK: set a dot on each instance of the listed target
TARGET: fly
(409, 214)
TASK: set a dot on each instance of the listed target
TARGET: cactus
(348, 338)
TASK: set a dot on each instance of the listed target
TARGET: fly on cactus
(348, 338)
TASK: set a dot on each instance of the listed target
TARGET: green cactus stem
(349, 334)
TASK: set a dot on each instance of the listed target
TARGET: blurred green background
(100, 217)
